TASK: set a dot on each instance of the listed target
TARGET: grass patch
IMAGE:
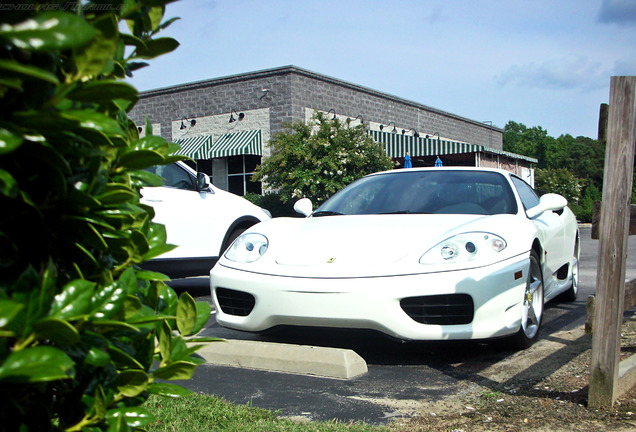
(199, 412)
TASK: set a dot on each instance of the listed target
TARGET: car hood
(362, 245)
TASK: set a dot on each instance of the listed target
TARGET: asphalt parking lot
(401, 376)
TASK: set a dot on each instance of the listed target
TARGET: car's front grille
(234, 302)
(444, 309)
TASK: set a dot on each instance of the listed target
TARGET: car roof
(453, 168)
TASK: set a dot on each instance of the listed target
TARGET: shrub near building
(317, 159)
(84, 333)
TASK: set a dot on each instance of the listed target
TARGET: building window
(239, 174)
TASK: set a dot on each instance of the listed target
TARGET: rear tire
(572, 292)
(532, 307)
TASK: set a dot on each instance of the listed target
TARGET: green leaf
(103, 91)
(167, 301)
(99, 403)
(10, 67)
(156, 47)
(141, 159)
(150, 275)
(49, 31)
(92, 236)
(203, 316)
(117, 194)
(117, 424)
(128, 279)
(167, 23)
(132, 306)
(56, 330)
(156, 15)
(180, 370)
(74, 300)
(110, 325)
(186, 313)
(123, 358)
(204, 340)
(156, 238)
(49, 286)
(165, 341)
(129, 39)
(95, 58)
(97, 357)
(95, 121)
(181, 351)
(151, 142)
(8, 141)
(132, 382)
(8, 185)
(37, 364)
(140, 178)
(168, 390)
(108, 301)
(135, 417)
(8, 310)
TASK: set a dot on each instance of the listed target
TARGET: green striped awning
(397, 145)
(238, 143)
(198, 147)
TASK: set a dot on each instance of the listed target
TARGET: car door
(186, 213)
(551, 231)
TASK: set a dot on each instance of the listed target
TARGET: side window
(175, 176)
(528, 196)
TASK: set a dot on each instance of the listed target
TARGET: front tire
(532, 308)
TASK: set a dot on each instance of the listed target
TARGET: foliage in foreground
(200, 412)
(84, 332)
(317, 159)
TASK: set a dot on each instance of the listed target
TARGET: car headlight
(464, 248)
(247, 248)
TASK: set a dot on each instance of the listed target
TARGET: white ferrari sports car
(418, 254)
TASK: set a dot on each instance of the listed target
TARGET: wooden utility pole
(613, 232)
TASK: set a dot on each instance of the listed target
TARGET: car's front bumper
(497, 293)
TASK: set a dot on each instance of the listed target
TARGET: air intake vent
(234, 302)
(445, 309)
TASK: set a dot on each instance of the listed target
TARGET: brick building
(225, 123)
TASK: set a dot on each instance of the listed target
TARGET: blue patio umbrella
(407, 161)
(438, 161)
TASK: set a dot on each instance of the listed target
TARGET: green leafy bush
(317, 159)
(85, 334)
(274, 203)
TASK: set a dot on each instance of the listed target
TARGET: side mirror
(203, 181)
(547, 202)
(304, 206)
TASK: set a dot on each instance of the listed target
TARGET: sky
(544, 63)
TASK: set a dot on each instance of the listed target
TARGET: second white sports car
(419, 254)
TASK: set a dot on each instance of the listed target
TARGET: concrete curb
(277, 357)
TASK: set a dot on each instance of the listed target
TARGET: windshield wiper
(398, 212)
(325, 213)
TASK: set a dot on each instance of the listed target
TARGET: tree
(318, 159)
(84, 332)
(560, 181)
(534, 142)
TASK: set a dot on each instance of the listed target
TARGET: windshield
(438, 192)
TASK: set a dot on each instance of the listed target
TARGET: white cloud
(567, 73)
